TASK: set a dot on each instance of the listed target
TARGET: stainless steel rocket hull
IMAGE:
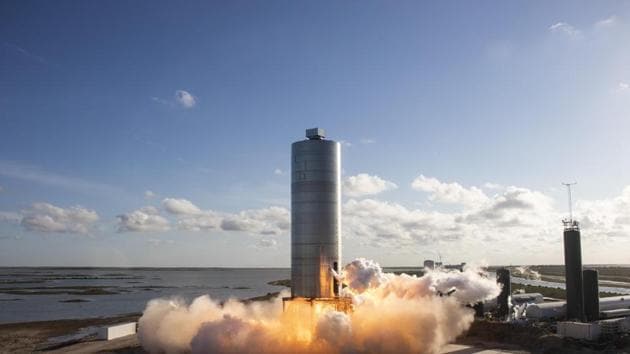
(315, 218)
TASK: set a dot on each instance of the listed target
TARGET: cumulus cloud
(564, 28)
(189, 217)
(605, 218)
(453, 193)
(278, 172)
(369, 218)
(149, 195)
(45, 217)
(180, 206)
(185, 99)
(513, 211)
(364, 184)
(145, 219)
(623, 86)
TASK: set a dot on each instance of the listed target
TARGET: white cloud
(149, 195)
(396, 224)
(515, 207)
(607, 22)
(623, 87)
(185, 99)
(564, 28)
(364, 184)
(605, 218)
(278, 172)
(145, 219)
(367, 141)
(206, 220)
(513, 217)
(189, 217)
(266, 221)
(452, 193)
(180, 206)
(46, 217)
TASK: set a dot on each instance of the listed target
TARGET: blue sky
(199, 102)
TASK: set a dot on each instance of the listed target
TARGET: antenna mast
(570, 224)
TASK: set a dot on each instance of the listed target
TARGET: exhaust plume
(391, 314)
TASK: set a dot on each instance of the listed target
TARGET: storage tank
(591, 294)
(558, 309)
(315, 216)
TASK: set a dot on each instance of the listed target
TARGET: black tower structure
(591, 295)
(573, 265)
(503, 303)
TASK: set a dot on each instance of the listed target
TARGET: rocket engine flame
(392, 314)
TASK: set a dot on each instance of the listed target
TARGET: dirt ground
(33, 336)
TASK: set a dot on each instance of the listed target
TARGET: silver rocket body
(315, 216)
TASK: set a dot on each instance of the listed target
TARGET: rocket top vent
(315, 133)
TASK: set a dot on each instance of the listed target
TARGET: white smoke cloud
(364, 184)
(362, 274)
(396, 314)
(45, 217)
(525, 272)
(145, 219)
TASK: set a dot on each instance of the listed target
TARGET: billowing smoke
(526, 272)
(391, 314)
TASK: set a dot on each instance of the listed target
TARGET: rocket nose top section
(315, 133)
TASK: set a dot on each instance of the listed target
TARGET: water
(95, 292)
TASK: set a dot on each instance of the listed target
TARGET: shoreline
(35, 336)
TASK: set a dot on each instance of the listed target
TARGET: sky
(158, 133)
